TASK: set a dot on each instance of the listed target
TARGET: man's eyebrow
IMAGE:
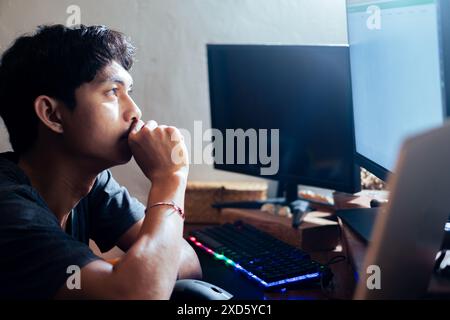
(115, 79)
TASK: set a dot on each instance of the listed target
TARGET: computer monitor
(400, 65)
(399, 56)
(302, 91)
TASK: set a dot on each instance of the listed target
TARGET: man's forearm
(189, 266)
(156, 256)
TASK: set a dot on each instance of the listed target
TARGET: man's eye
(113, 91)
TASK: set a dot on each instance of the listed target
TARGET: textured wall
(171, 75)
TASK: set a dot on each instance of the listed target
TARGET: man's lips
(126, 134)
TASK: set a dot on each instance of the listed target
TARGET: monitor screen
(304, 92)
(397, 80)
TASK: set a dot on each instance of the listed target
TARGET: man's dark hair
(54, 61)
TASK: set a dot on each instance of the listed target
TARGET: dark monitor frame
(443, 7)
(353, 187)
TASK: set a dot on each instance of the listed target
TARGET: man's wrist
(168, 188)
(174, 178)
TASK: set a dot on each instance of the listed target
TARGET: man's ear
(49, 111)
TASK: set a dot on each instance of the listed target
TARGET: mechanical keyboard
(263, 258)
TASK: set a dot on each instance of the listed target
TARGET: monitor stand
(299, 207)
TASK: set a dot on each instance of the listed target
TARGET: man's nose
(132, 110)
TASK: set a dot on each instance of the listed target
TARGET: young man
(65, 100)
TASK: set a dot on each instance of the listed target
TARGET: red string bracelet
(171, 204)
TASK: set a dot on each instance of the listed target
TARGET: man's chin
(127, 159)
(123, 154)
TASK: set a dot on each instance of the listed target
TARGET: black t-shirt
(35, 252)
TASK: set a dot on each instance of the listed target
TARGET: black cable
(336, 259)
(327, 276)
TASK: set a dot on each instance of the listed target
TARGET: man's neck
(60, 180)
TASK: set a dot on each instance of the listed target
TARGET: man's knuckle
(146, 129)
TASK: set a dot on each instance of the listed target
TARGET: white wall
(171, 75)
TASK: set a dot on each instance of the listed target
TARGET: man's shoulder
(15, 192)
(14, 184)
(20, 204)
(10, 172)
(15, 209)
